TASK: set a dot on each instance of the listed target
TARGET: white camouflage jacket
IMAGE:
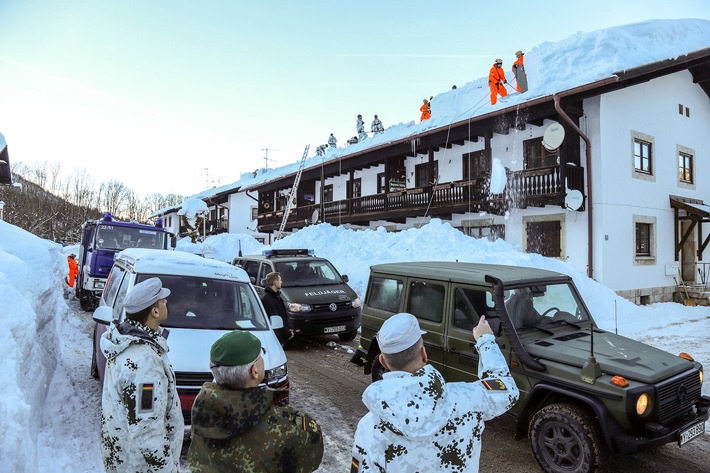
(419, 423)
(141, 421)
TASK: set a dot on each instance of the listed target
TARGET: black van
(318, 299)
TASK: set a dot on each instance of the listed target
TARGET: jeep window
(426, 301)
(206, 303)
(307, 273)
(385, 294)
(544, 304)
(469, 305)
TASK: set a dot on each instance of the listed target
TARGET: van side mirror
(103, 314)
(346, 279)
(276, 322)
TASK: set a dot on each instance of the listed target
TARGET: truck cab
(100, 241)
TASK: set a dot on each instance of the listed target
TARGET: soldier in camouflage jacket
(418, 422)
(141, 421)
(235, 426)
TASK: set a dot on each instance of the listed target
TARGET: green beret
(235, 348)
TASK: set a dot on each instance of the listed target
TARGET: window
(355, 188)
(380, 182)
(385, 294)
(644, 234)
(426, 301)
(469, 305)
(254, 212)
(482, 230)
(537, 156)
(544, 237)
(642, 156)
(685, 167)
(475, 165)
(421, 174)
(328, 193)
(643, 239)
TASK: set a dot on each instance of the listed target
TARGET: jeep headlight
(295, 307)
(357, 302)
(275, 374)
(643, 404)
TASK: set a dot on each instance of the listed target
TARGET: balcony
(533, 188)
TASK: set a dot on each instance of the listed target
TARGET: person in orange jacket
(73, 269)
(497, 81)
(521, 78)
(426, 109)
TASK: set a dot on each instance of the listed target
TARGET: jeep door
(426, 300)
(467, 305)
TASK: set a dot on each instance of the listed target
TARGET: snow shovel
(687, 301)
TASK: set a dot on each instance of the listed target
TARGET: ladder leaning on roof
(292, 195)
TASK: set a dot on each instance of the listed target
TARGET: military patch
(355, 466)
(146, 397)
(494, 385)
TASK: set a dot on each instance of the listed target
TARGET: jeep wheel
(348, 336)
(377, 369)
(566, 438)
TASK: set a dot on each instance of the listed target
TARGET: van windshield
(307, 273)
(216, 304)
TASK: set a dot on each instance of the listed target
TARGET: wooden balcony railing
(538, 187)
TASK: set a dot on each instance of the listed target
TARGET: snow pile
(31, 273)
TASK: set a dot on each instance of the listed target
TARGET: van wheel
(348, 336)
(566, 438)
(94, 366)
(377, 369)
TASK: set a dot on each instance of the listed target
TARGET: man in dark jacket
(274, 305)
(235, 426)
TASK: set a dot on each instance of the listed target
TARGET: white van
(207, 299)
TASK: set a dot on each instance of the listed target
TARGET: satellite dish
(574, 199)
(314, 216)
(553, 136)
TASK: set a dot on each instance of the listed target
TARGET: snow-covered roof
(551, 67)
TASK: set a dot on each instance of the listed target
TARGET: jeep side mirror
(345, 278)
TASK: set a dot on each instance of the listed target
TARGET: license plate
(339, 328)
(690, 433)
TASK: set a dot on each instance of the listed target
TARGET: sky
(175, 96)
(49, 406)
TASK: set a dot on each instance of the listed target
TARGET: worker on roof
(497, 81)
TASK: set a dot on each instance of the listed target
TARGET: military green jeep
(584, 392)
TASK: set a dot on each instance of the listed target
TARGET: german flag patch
(494, 385)
(355, 466)
(146, 397)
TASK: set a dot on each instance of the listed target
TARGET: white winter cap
(398, 333)
(144, 294)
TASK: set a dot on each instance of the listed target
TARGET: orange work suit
(73, 271)
(426, 111)
(518, 63)
(496, 81)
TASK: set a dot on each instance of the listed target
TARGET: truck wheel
(348, 336)
(377, 369)
(566, 438)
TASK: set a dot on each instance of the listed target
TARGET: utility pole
(266, 156)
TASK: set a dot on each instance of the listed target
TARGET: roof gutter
(588, 162)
